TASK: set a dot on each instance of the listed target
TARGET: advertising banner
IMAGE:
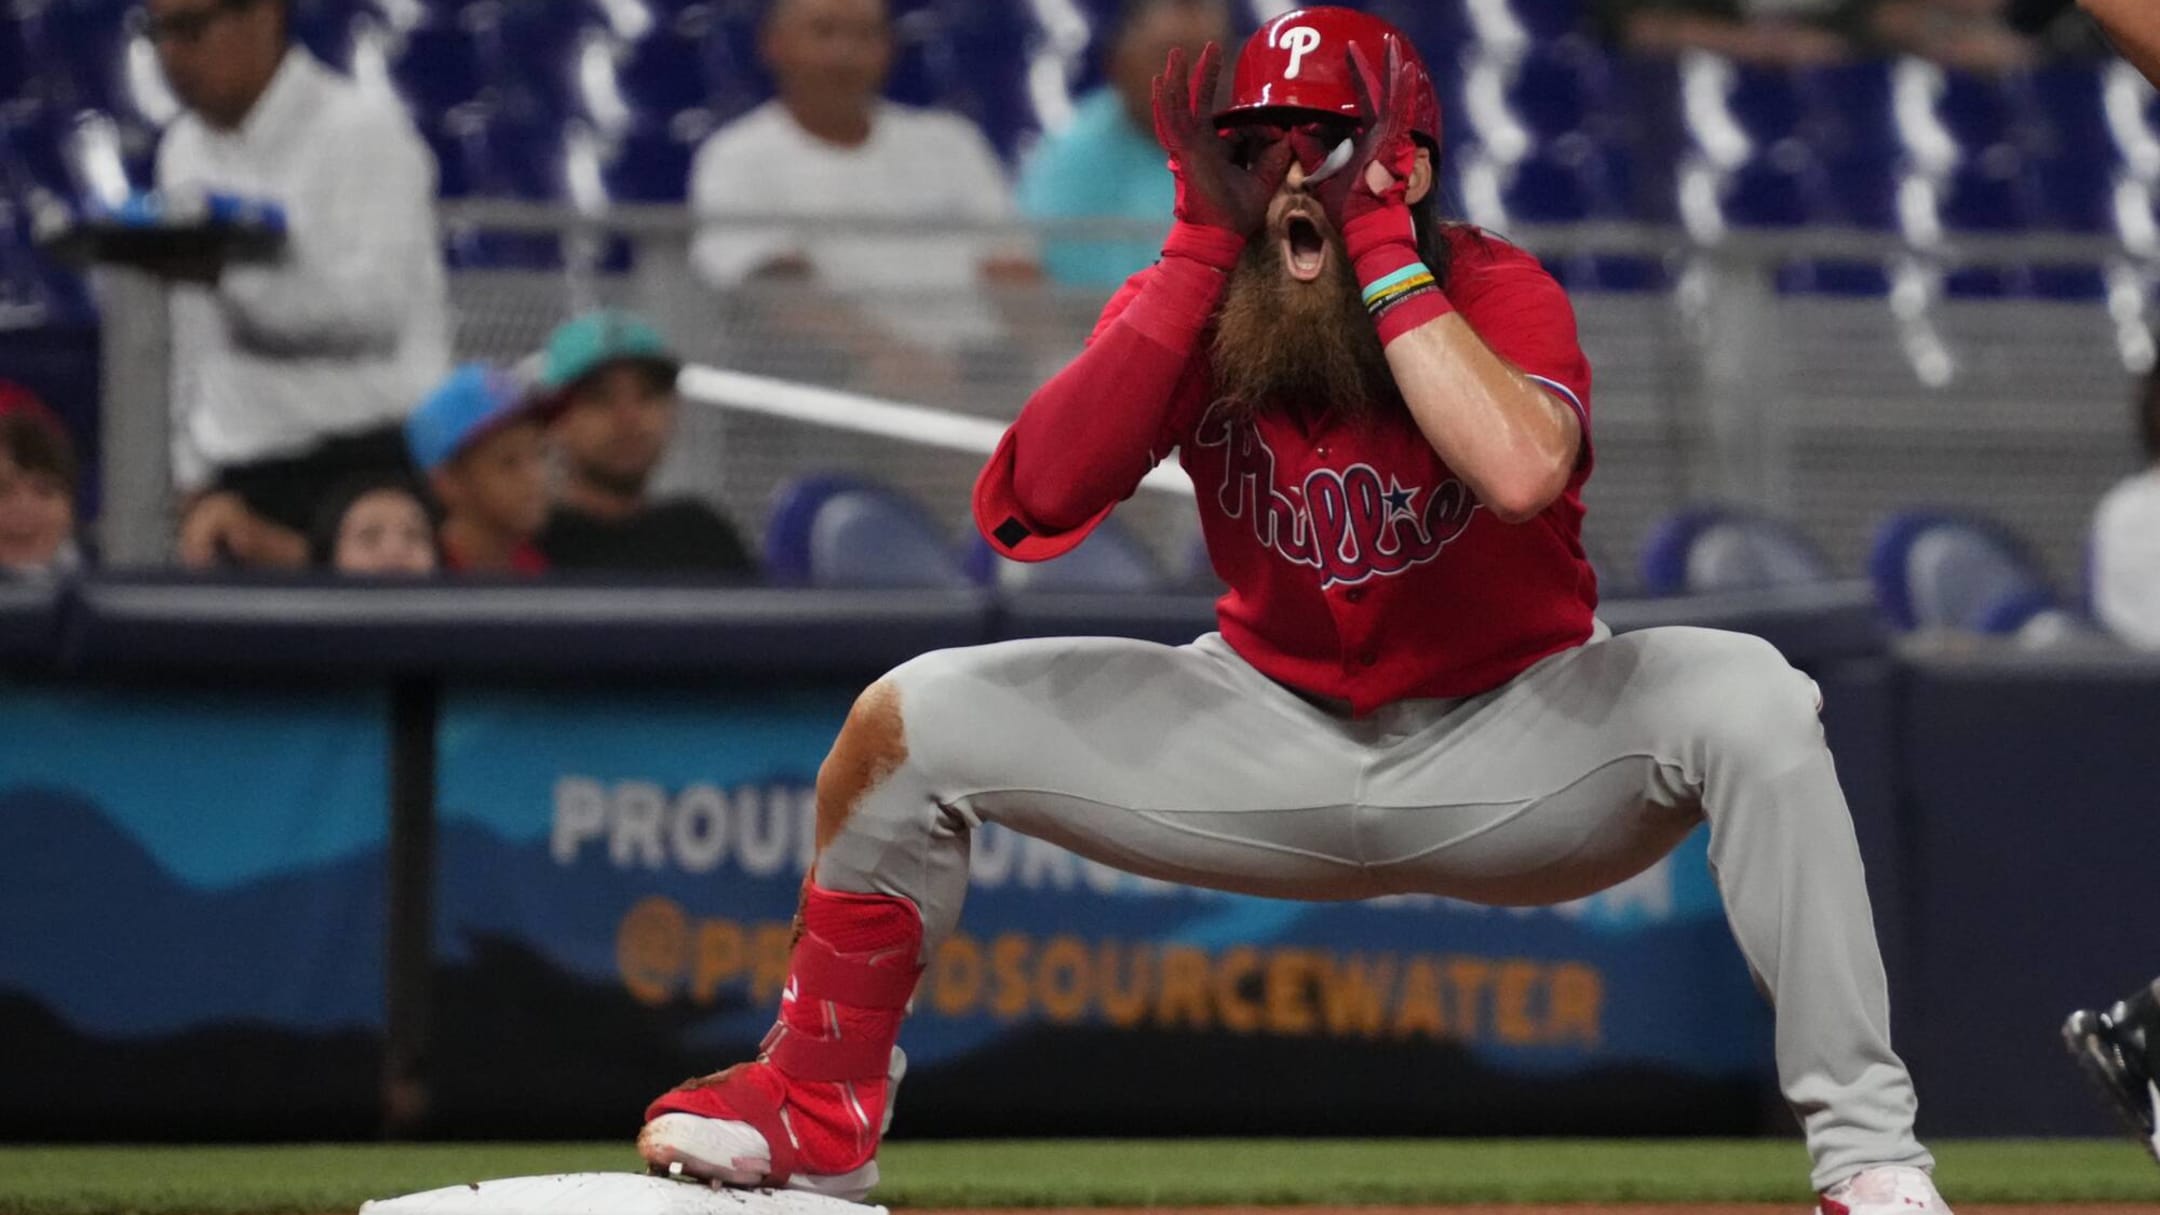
(192, 891)
(620, 874)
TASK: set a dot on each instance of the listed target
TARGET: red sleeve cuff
(1000, 519)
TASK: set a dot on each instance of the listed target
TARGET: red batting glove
(1219, 204)
(1377, 228)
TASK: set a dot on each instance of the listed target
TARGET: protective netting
(1808, 406)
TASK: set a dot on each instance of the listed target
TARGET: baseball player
(2119, 1047)
(1387, 417)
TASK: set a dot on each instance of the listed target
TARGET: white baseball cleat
(735, 1154)
(1888, 1190)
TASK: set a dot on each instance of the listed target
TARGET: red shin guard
(818, 1090)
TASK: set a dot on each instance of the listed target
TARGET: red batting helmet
(1300, 61)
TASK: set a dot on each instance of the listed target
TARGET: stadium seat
(839, 531)
(438, 69)
(663, 76)
(1946, 571)
(727, 35)
(325, 28)
(1573, 179)
(1710, 549)
(1111, 559)
(1548, 20)
(1848, 113)
(1833, 277)
(970, 57)
(650, 168)
(497, 155)
(1439, 28)
(31, 155)
(1562, 88)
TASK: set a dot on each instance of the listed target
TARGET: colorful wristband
(1400, 291)
(1407, 312)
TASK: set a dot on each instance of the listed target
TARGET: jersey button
(1368, 658)
(1356, 594)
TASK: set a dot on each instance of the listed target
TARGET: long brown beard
(1306, 347)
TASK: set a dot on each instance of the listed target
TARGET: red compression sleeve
(1087, 437)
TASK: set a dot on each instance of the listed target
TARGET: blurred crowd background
(1866, 284)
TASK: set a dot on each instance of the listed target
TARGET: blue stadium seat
(1981, 110)
(31, 155)
(1710, 549)
(1784, 189)
(497, 155)
(1572, 179)
(651, 167)
(526, 53)
(727, 36)
(1849, 112)
(971, 57)
(1768, 103)
(15, 60)
(1563, 88)
(2068, 105)
(663, 76)
(1992, 194)
(1440, 28)
(439, 69)
(82, 62)
(1548, 20)
(325, 27)
(1833, 277)
(1950, 571)
(839, 531)
(1111, 559)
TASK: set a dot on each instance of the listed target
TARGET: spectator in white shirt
(291, 376)
(830, 145)
(2125, 551)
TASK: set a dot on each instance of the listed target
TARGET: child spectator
(38, 479)
(479, 438)
(615, 382)
(375, 525)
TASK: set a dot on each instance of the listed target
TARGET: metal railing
(1825, 409)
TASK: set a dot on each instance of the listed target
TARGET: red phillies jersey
(1360, 567)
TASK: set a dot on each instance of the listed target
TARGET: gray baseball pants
(1187, 764)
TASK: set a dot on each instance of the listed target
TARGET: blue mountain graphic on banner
(114, 944)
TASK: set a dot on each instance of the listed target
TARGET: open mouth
(1305, 251)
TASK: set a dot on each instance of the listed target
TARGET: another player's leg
(1592, 764)
(2119, 1048)
(1135, 755)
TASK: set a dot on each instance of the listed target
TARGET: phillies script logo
(1346, 523)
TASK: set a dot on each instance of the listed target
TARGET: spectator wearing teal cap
(613, 378)
(480, 440)
(1106, 163)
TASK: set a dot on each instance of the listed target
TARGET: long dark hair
(330, 516)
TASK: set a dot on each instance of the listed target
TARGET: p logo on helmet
(1300, 41)
(1301, 61)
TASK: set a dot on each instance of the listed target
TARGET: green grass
(321, 1180)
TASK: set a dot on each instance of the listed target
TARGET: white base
(610, 1194)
